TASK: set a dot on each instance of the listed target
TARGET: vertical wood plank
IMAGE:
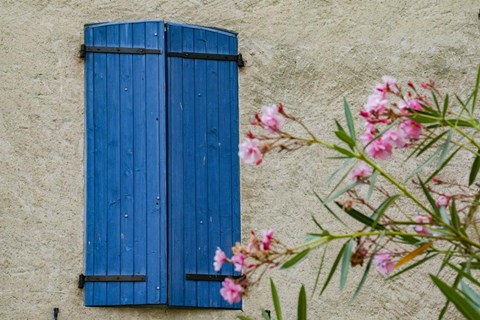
(100, 171)
(90, 168)
(126, 163)
(175, 169)
(201, 186)
(156, 280)
(113, 166)
(213, 177)
(189, 217)
(139, 166)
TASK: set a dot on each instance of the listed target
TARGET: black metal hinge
(120, 278)
(209, 277)
(84, 49)
(209, 56)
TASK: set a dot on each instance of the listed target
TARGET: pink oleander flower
(379, 149)
(219, 259)
(231, 291)
(376, 103)
(362, 170)
(249, 151)
(368, 135)
(389, 85)
(421, 229)
(383, 262)
(412, 129)
(395, 138)
(267, 239)
(443, 200)
(271, 118)
(239, 261)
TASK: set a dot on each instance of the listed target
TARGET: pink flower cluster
(383, 262)
(271, 119)
(257, 252)
(380, 111)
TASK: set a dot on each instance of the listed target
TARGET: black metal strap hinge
(82, 279)
(209, 277)
(209, 56)
(84, 49)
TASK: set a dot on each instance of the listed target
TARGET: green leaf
(445, 149)
(299, 256)
(437, 105)
(317, 223)
(443, 164)
(454, 215)
(276, 300)
(319, 270)
(364, 278)
(360, 217)
(328, 209)
(371, 187)
(473, 296)
(444, 215)
(446, 259)
(340, 192)
(342, 135)
(243, 317)
(332, 270)
(475, 91)
(474, 170)
(424, 165)
(428, 145)
(445, 106)
(465, 274)
(302, 305)
(349, 118)
(380, 211)
(266, 315)
(460, 302)
(343, 151)
(347, 254)
(429, 198)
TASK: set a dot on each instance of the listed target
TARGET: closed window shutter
(203, 165)
(162, 171)
(126, 166)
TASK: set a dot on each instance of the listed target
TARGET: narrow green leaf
(444, 215)
(371, 187)
(340, 192)
(428, 145)
(349, 118)
(447, 303)
(437, 105)
(446, 259)
(276, 300)
(475, 90)
(328, 209)
(380, 211)
(464, 274)
(299, 256)
(347, 254)
(360, 217)
(342, 135)
(319, 270)
(344, 151)
(302, 305)
(266, 315)
(429, 198)
(424, 165)
(454, 215)
(364, 278)
(443, 164)
(463, 104)
(243, 317)
(346, 165)
(474, 170)
(460, 302)
(333, 269)
(317, 223)
(471, 294)
(445, 148)
(445, 106)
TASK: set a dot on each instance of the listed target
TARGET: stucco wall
(307, 54)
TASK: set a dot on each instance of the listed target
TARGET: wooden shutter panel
(203, 169)
(126, 231)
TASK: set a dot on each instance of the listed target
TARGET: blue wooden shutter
(126, 230)
(203, 169)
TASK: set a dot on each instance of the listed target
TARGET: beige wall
(307, 54)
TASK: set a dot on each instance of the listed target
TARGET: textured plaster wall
(307, 54)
